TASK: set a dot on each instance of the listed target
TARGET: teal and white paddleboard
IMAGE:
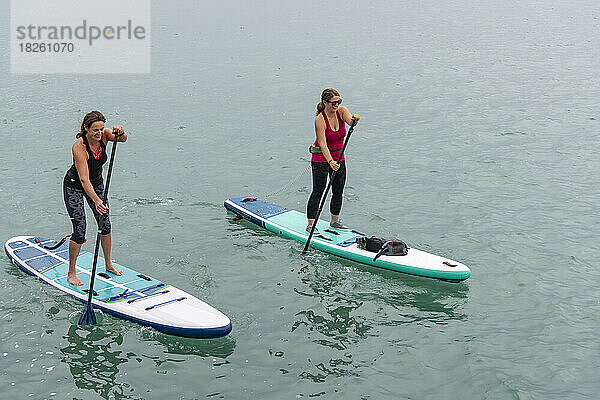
(292, 224)
(132, 296)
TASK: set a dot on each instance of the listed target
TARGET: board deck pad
(296, 221)
(111, 291)
(292, 224)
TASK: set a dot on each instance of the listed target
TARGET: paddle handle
(110, 167)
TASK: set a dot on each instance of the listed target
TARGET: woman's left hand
(356, 117)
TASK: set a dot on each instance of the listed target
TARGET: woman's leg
(319, 179)
(105, 241)
(105, 236)
(74, 203)
(337, 191)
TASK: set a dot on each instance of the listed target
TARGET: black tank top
(94, 168)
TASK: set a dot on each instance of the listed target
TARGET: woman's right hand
(100, 207)
(334, 165)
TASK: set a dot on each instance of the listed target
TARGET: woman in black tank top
(84, 180)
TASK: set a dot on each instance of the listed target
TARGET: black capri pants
(74, 203)
(320, 171)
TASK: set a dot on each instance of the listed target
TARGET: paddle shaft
(101, 223)
(324, 196)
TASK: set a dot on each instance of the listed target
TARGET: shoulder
(319, 122)
(343, 110)
(78, 144)
(79, 148)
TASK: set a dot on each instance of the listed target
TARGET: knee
(78, 235)
(316, 192)
(77, 238)
(337, 192)
(106, 228)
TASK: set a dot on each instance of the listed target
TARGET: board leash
(287, 185)
(58, 244)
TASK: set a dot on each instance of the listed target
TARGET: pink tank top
(335, 139)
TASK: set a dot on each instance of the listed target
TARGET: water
(478, 141)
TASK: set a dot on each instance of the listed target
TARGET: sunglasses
(335, 103)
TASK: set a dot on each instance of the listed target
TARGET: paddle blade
(300, 259)
(303, 260)
(87, 317)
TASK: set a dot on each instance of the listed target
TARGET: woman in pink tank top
(330, 130)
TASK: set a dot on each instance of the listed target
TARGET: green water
(478, 141)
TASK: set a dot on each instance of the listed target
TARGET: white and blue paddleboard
(132, 296)
(342, 243)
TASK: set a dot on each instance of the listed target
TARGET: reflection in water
(94, 361)
(94, 356)
(417, 298)
(339, 328)
(401, 291)
(352, 299)
(244, 229)
(218, 348)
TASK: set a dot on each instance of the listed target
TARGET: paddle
(324, 197)
(88, 317)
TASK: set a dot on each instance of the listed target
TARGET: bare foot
(74, 280)
(113, 270)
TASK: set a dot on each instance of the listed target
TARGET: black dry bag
(382, 246)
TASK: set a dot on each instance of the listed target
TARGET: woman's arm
(109, 136)
(347, 117)
(80, 159)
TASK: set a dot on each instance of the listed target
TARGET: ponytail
(88, 120)
(320, 107)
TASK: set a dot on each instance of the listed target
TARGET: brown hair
(326, 96)
(88, 120)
